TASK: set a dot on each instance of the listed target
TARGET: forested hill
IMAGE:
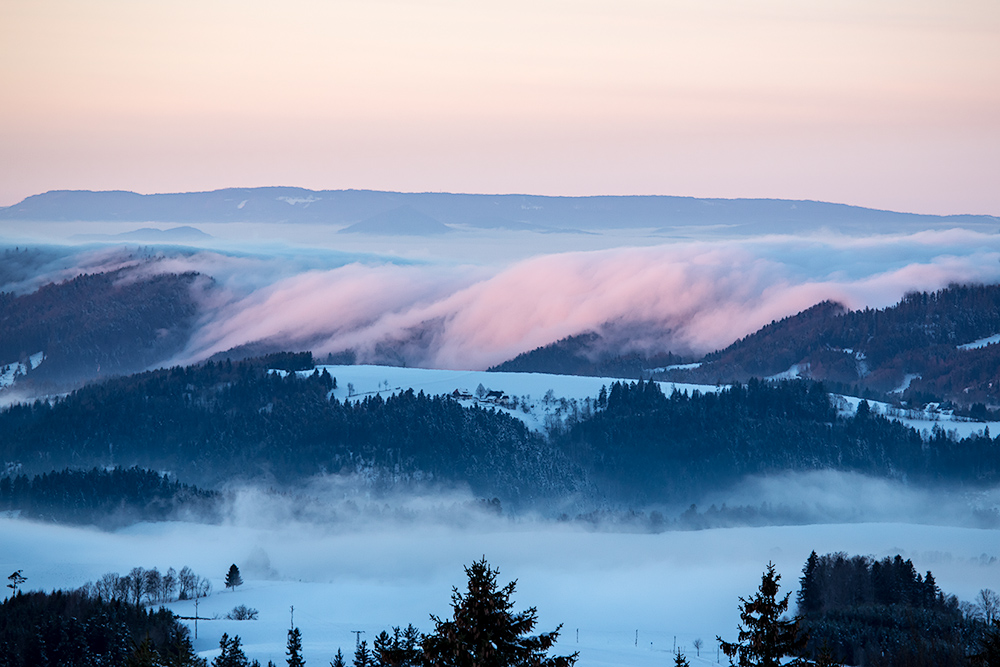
(918, 344)
(96, 325)
(105, 498)
(647, 446)
(228, 421)
(578, 355)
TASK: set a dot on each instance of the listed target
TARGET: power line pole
(293, 617)
(357, 640)
(196, 618)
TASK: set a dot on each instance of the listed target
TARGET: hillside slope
(96, 325)
(930, 346)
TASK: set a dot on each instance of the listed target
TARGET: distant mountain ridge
(512, 211)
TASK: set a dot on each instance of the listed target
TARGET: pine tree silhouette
(486, 632)
(294, 650)
(233, 578)
(764, 638)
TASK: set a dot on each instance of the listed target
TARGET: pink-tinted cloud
(689, 298)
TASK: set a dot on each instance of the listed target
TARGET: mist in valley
(350, 560)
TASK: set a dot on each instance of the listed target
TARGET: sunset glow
(890, 105)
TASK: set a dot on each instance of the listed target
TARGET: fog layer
(477, 299)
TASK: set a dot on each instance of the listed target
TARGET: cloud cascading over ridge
(689, 298)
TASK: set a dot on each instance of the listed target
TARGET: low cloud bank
(688, 298)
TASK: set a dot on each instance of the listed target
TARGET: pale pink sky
(891, 104)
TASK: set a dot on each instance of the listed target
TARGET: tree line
(106, 498)
(224, 420)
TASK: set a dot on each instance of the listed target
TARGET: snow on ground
(922, 420)
(793, 373)
(905, 384)
(676, 367)
(606, 585)
(387, 380)
(8, 372)
(357, 382)
(981, 343)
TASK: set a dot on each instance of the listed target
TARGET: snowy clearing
(981, 343)
(388, 380)
(357, 382)
(9, 372)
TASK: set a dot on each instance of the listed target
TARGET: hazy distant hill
(585, 354)
(405, 221)
(95, 325)
(184, 234)
(346, 207)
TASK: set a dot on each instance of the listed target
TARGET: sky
(894, 104)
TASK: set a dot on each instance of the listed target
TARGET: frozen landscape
(629, 299)
(682, 584)
(622, 596)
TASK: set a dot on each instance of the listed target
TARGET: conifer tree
(362, 656)
(400, 649)
(294, 650)
(338, 660)
(807, 597)
(144, 655)
(680, 660)
(989, 647)
(764, 638)
(233, 578)
(16, 579)
(232, 654)
(486, 632)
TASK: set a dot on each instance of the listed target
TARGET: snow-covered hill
(534, 398)
(542, 398)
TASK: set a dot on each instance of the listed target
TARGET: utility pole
(196, 618)
(578, 635)
(357, 640)
(292, 617)
(637, 638)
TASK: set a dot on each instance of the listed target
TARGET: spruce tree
(233, 578)
(486, 632)
(338, 660)
(362, 656)
(294, 650)
(808, 597)
(764, 638)
(989, 647)
(680, 660)
(400, 649)
(232, 654)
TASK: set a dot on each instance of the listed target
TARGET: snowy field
(387, 380)
(605, 585)
(538, 394)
